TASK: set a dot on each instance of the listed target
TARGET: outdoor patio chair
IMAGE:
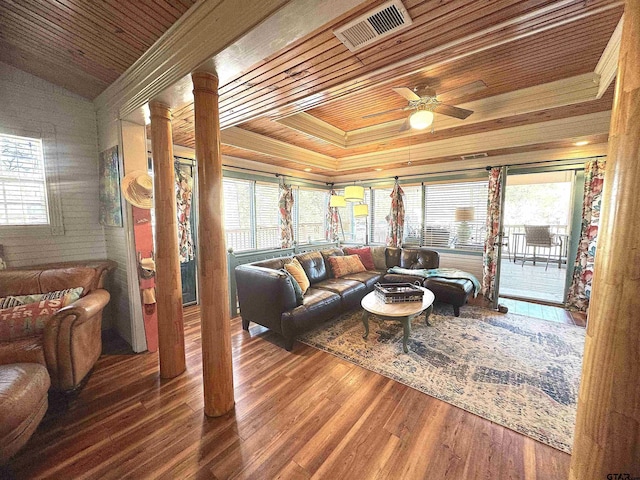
(538, 236)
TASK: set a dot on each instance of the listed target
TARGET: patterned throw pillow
(296, 288)
(342, 266)
(295, 269)
(15, 300)
(365, 256)
(28, 320)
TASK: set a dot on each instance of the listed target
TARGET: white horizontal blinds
(23, 188)
(380, 211)
(267, 215)
(311, 209)
(412, 214)
(440, 226)
(238, 201)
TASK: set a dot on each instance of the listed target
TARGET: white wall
(27, 102)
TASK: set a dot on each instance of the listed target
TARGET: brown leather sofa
(23, 403)
(266, 296)
(71, 342)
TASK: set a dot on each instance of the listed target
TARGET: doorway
(537, 225)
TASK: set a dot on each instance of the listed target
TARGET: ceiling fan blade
(451, 111)
(383, 113)
(405, 126)
(406, 93)
(467, 89)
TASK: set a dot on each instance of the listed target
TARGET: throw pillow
(342, 266)
(28, 320)
(365, 256)
(15, 300)
(379, 257)
(296, 288)
(295, 269)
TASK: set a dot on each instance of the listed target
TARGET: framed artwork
(110, 202)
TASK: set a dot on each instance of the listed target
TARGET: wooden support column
(168, 281)
(217, 368)
(607, 435)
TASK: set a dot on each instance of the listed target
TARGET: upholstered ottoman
(454, 291)
(23, 403)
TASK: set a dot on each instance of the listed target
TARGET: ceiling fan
(424, 101)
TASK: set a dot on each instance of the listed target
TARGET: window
(412, 214)
(23, 188)
(310, 209)
(380, 212)
(455, 215)
(237, 213)
(267, 215)
(354, 228)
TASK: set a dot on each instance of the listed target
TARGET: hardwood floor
(298, 415)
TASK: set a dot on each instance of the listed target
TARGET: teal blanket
(453, 273)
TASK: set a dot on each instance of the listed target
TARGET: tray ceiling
(536, 58)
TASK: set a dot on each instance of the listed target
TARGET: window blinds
(23, 189)
(440, 226)
(267, 215)
(238, 204)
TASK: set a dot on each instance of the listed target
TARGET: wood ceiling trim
(329, 85)
(310, 125)
(541, 153)
(579, 126)
(608, 63)
(254, 142)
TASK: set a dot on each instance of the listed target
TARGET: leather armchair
(71, 342)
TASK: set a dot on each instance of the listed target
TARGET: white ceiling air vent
(374, 25)
(473, 156)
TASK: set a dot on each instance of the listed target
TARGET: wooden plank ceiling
(539, 42)
(82, 45)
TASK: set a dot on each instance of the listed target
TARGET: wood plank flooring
(298, 415)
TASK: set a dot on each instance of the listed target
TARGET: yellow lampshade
(361, 210)
(421, 119)
(465, 214)
(354, 193)
(337, 201)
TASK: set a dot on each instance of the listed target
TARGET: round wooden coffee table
(403, 312)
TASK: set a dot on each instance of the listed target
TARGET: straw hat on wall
(137, 188)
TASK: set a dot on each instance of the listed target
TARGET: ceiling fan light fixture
(421, 119)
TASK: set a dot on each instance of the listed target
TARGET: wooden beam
(608, 63)
(217, 368)
(608, 420)
(168, 281)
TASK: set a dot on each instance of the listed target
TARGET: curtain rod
(470, 169)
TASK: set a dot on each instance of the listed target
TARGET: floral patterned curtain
(490, 257)
(184, 194)
(332, 221)
(580, 289)
(395, 218)
(286, 215)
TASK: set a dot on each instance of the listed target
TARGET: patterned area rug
(516, 371)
